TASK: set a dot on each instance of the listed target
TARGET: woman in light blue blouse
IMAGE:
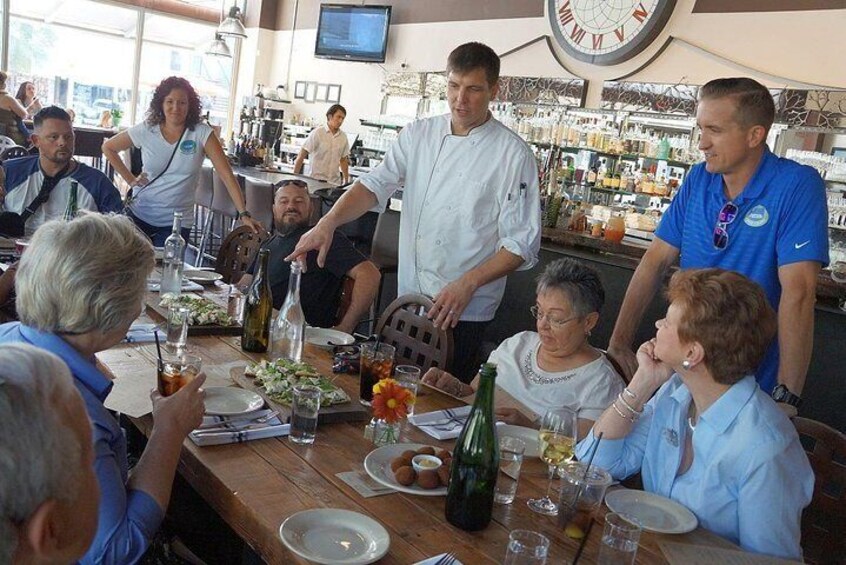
(709, 438)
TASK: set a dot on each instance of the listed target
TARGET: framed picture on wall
(839, 152)
(299, 89)
(320, 95)
(310, 92)
(333, 93)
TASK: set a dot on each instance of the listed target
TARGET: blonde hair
(84, 275)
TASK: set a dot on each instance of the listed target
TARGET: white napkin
(442, 424)
(140, 333)
(218, 430)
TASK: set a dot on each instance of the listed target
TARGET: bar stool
(203, 198)
(259, 198)
(384, 250)
(223, 207)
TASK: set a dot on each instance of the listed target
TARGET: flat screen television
(353, 33)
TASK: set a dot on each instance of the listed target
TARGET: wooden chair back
(824, 520)
(418, 342)
(237, 252)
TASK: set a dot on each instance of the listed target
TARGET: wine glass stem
(551, 472)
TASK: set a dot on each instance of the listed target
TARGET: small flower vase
(385, 432)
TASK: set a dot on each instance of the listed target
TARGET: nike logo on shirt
(801, 245)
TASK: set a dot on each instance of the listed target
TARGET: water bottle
(289, 330)
(172, 261)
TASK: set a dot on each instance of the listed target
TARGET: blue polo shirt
(127, 519)
(782, 219)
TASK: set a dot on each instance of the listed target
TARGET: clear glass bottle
(289, 329)
(475, 463)
(172, 259)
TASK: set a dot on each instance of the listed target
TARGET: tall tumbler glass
(377, 363)
(304, 411)
(177, 328)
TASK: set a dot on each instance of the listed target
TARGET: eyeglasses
(727, 215)
(554, 322)
(296, 182)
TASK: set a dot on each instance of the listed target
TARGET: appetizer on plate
(279, 378)
(202, 311)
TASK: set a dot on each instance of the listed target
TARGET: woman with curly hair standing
(173, 143)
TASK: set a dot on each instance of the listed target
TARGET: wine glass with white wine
(557, 437)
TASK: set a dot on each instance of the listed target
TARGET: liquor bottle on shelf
(172, 259)
(289, 329)
(475, 463)
(258, 309)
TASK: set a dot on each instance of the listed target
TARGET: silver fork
(447, 559)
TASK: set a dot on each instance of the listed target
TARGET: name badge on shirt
(188, 147)
(671, 436)
(757, 217)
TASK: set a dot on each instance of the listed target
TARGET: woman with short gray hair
(79, 286)
(555, 366)
(48, 490)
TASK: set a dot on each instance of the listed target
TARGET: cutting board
(351, 411)
(159, 314)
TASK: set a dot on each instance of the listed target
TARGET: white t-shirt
(465, 198)
(174, 191)
(588, 389)
(325, 151)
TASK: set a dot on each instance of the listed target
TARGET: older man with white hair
(48, 489)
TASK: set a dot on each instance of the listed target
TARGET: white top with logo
(325, 151)
(174, 191)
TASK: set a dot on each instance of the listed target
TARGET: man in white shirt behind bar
(471, 205)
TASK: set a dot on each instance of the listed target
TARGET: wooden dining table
(254, 486)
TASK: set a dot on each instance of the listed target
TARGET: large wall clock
(607, 32)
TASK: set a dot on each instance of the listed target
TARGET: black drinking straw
(579, 493)
(158, 345)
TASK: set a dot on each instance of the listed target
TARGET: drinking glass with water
(304, 410)
(619, 540)
(511, 451)
(526, 547)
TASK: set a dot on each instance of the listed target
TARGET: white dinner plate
(378, 465)
(654, 512)
(326, 338)
(528, 435)
(231, 401)
(331, 535)
(202, 277)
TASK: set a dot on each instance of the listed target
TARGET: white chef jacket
(465, 198)
(325, 151)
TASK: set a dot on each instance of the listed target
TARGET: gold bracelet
(629, 406)
(631, 419)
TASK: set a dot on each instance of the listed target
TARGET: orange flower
(390, 400)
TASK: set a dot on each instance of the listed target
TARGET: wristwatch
(782, 394)
(244, 214)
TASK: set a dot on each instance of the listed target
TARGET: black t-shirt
(320, 289)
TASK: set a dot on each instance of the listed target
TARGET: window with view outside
(173, 46)
(78, 53)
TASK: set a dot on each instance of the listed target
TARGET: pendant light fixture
(218, 47)
(231, 26)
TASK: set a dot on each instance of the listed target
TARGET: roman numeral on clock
(577, 34)
(620, 33)
(597, 41)
(565, 14)
(640, 13)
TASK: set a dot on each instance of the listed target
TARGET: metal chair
(384, 251)
(418, 342)
(221, 201)
(203, 199)
(259, 198)
(824, 520)
(13, 152)
(237, 252)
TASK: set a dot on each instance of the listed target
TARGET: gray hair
(84, 275)
(580, 283)
(37, 449)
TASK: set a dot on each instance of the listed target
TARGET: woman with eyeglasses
(173, 142)
(556, 365)
(695, 424)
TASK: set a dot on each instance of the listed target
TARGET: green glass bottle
(475, 462)
(258, 309)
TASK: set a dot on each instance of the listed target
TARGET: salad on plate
(279, 378)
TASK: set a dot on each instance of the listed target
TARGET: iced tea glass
(377, 363)
(175, 370)
(582, 491)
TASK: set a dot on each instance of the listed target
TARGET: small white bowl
(425, 463)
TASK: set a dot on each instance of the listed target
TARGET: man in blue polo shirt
(750, 211)
(54, 164)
